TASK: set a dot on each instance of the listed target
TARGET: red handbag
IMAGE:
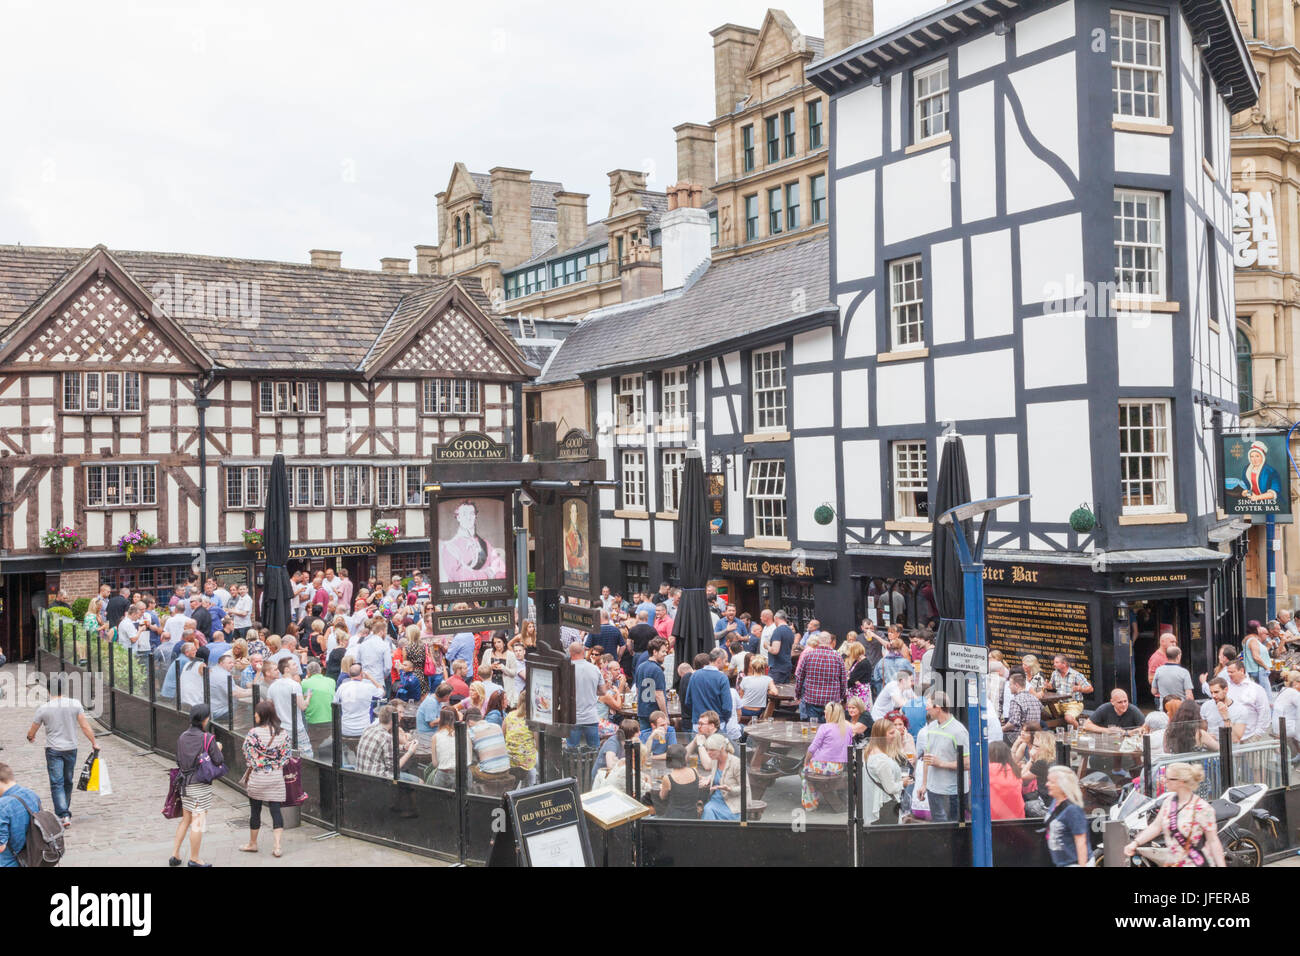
(293, 792)
(172, 805)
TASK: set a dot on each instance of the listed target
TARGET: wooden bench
(759, 781)
(831, 789)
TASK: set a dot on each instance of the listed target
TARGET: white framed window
(631, 400)
(929, 101)
(911, 480)
(451, 396)
(289, 398)
(769, 389)
(674, 461)
(121, 486)
(1137, 60)
(244, 487)
(390, 492)
(766, 493)
(634, 481)
(676, 390)
(415, 495)
(101, 391)
(906, 304)
(351, 486)
(307, 489)
(1145, 457)
(1139, 243)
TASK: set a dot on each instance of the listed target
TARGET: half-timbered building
(151, 391)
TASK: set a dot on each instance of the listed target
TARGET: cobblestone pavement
(126, 828)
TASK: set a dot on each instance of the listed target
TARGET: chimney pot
(426, 260)
(326, 258)
(401, 267)
(846, 22)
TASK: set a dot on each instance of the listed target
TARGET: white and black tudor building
(1030, 246)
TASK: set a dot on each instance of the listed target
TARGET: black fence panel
(409, 816)
(705, 843)
(320, 782)
(232, 752)
(1023, 843)
(482, 815)
(131, 717)
(170, 726)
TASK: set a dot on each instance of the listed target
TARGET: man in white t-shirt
(769, 625)
(282, 692)
(191, 681)
(893, 695)
(373, 651)
(241, 610)
(355, 696)
(129, 631)
(175, 625)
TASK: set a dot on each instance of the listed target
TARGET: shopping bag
(293, 792)
(87, 770)
(175, 785)
(92, 785)
(101, 767)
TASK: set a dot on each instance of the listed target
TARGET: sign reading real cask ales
(1018, 626)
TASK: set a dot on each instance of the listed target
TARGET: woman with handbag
(1187, 822)
(199, 762)
(884, 768)
(266, 750)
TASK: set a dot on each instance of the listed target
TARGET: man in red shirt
(459, 689)
(1159, 658)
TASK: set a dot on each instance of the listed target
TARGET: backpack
(44, 845)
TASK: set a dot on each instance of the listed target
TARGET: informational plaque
(1017, 626)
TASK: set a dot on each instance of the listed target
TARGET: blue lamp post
(971, 555)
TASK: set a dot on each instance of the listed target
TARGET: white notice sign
(968, 657)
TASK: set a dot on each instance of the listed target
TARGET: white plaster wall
(975, 386)
(1060, 458)
(858, 126)
(900, 393)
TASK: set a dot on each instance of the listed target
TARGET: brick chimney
(733, 47)
(571, 210)
(641, 276)
(684, 235)
(395, 266)
(326, 259)
(512, 220)
(846, 22)
(426, 260)
(696, 156)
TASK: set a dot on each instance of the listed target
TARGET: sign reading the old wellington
(472, 559)
(326, 551)
(471, 446)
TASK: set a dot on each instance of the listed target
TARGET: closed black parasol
(950, 490)
(276, 594)
(693, 627)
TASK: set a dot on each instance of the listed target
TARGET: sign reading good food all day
(471, 446)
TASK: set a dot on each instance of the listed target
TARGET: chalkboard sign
(548, 826)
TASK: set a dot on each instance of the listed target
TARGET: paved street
(126, 828)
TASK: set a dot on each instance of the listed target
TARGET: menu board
(1019, 626)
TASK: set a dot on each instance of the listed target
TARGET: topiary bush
(80, 607)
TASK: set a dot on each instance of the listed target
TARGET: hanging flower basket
(1082, 519)
(62, 540)
(135, 542)
(253, 539)
(824, 514)
(383, 533)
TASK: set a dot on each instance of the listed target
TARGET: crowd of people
(374, 652)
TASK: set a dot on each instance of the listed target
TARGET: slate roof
(311, 318)
(542, 196)
(741, 296)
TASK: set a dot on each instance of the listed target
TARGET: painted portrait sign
(472, 553)
(577, 547)
(1256, 474)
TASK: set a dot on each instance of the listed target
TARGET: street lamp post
(971, 555)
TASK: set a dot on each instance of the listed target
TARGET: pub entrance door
(1150, 619)
(22, 596)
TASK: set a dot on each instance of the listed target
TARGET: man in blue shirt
(650, 683)
(609, 638)
(430, 711)
(462, 649)
(709, 689)
(728, 627)
(17, 804)
(778, 650)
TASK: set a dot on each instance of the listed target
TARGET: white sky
(263, 130)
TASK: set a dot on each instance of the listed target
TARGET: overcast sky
(263, 130)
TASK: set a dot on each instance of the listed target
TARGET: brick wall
(77, 584)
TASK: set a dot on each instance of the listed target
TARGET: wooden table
(1054, 707)
(1105, 747)
(790, 738)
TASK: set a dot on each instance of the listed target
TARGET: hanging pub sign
(583, 618)
(471, 446)
(576, 445)
(471, 558)
(716, 502)
(1255, 473)
(580, 544)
